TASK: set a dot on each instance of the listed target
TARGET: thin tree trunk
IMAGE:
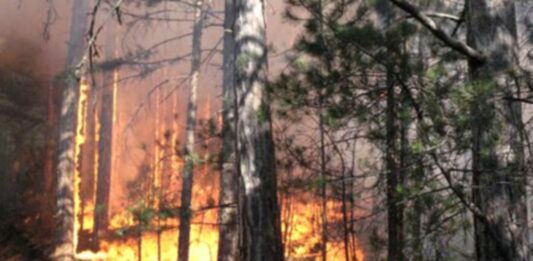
(65, 231)
(323, 185)
(103, 181)
(524, 17)
(139, 241)
(352, 194)
(187, 185)
(51, 132)
(260, 226)
(228, 234)
(345, 219)
(498, 180)
(394, 209)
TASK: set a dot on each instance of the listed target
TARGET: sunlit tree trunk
(524, 17)
(498, 188)
(260, 230)
(190, 156)
(103, 179)
(228, 239)
(65, 246)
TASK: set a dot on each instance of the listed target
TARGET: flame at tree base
(141, 233)
(123, 242)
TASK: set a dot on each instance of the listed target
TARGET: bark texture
(187, 185)
(524, 18)
(395, 209)
(103, 181)
(65, 245)
(498, 169)
(394, 206)
(259, 228)
(228, 239)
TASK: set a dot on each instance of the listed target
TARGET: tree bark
(260, 228)
(498, 182)
(524, 18)
(394, 207)
(323, 183)
(103, 180)
(395, 212)
(51, 140)
(187, 185)
(65, 246)
(228, 239)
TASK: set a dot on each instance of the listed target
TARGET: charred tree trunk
(228, 239)
(345, 218)
(259, 228)
(51, 140)
(498, 169)
(190, 156)
(87, 159)
(103, 180)
(65, 231)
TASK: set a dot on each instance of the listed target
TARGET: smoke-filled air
(255, 130)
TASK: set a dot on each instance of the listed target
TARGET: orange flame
(129, 238)
(79, 141)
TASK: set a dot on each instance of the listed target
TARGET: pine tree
(229, 176)
(260, 231)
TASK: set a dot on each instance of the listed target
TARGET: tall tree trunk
(323, 184)
(524, 17)
(228, 239)
(87, 157)
(260, 228)
(394, 208)
(187, 185)
(103, 180)
(352, 199)
(65, 246)
(345, 219)
(498, 169)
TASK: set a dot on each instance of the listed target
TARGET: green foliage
(262, 113)
(121, 232)
(339, 73)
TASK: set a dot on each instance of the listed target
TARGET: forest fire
(79, 141)
(255, 130)
(131, 155)
(147, 228)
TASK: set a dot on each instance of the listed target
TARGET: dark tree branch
(427, 22)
